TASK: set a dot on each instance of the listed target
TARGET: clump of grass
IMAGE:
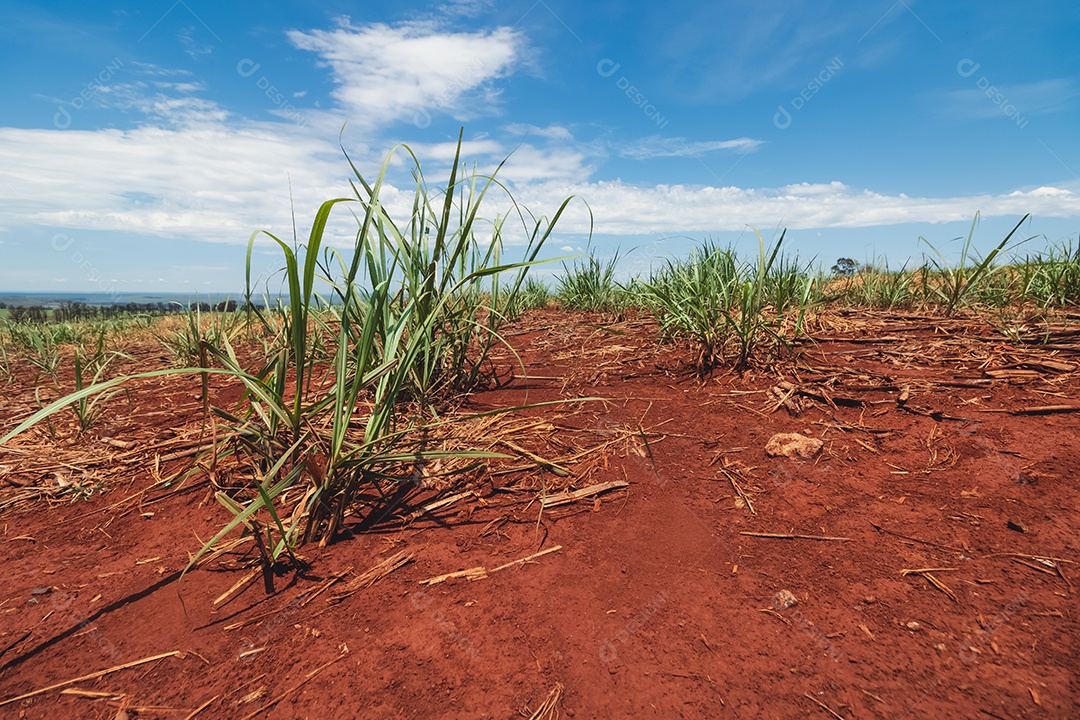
(954, 284)
(729, 310)
(589, 284)
(754, 322)
(880, 287)
(997, 289)
(789, 284)
(5, 366)
(691, 299)
(534, 294)
(212, 328)
(41, 350)
(92, 366)
(1050, 278)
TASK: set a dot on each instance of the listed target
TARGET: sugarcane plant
(416, 308)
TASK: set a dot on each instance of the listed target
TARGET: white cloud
(551, 132)
(529, 163)
(213, 182)
(625, 209)
(443, 153)
(656, 146)
(413, 71)
(524, 163)
(208, 182)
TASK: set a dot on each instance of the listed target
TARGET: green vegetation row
(713, 297)
(1047, 279)
(76, 311)
(734, 310)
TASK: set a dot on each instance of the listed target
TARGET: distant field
(56, 299)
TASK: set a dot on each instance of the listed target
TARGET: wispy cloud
(193, 46)
(551, 132)
(988, 100)
(723, 52)
(181, 87)
(656, 146)
(465, 8)
(170, 104)
(144, 68)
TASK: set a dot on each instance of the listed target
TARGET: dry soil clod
(793, 445)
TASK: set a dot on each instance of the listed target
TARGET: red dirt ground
(656, 605)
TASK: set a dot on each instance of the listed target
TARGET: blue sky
(142, 143)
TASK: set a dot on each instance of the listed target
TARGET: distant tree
(33, 315)
(844, 267)
(71, 311)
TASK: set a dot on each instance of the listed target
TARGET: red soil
(656, 605)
